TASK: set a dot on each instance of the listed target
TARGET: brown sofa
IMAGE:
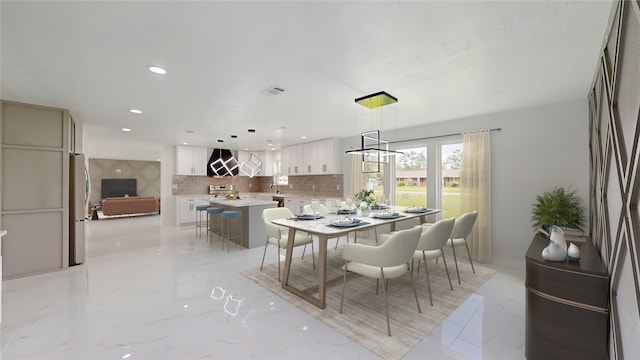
(130, 205)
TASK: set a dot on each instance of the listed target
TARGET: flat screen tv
(118, 188)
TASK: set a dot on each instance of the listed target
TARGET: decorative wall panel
(147, 174)
(615, 183)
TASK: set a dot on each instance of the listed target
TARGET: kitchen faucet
(277, 187)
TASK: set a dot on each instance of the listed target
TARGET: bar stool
(226, 230)
(199, 210)
(213, 213)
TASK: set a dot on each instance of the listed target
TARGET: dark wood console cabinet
(567, 305)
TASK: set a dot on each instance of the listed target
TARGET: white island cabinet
(254, 233)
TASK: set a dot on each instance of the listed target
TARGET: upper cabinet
(315, 158)
(267, 157)
(191, 160)
(329, 156)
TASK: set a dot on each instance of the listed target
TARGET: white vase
(573, 252)
(557, 248)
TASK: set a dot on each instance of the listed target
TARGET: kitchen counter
(254, 233)
(244, 195)
(241, 202)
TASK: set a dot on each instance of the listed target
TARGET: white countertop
(298, 196)
(241, 202)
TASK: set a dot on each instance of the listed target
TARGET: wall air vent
(273, 90)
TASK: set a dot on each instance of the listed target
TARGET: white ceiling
(443, 60)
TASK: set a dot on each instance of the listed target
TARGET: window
(451, 160)
(411, 177)
(278, 177)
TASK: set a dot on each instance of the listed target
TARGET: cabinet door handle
(324, 167)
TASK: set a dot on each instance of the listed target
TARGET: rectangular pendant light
(376, 100)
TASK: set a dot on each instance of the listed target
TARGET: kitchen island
(253, 230)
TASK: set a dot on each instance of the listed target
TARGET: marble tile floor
(151, 291)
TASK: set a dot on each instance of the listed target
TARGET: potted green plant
(558, 207)
(364, 199)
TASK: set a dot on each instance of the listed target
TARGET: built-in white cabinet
(315, 158)
(267, 157)
(186, 209)
(35, 188)
(329, 156)
(191, 160)
(296, 205)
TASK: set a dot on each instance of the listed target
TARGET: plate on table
(345, 222)
(386, 215)
(417, 210)
(345, 212)
(379, 207)
(309, 216)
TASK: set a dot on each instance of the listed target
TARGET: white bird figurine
(557, 248)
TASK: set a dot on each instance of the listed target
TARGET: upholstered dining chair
(386, 261)
(279, 235)
(461, 230)
(430, 246)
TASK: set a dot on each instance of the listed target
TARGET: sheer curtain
(357, 177)
(476, 191)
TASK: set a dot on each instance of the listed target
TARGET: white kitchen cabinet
(314, 158)
(329, 156)
(269, 160)
(296, 205)
(310, 159)
(186, 209)
(267, 157)
(285, 161)
(191, 160)
(297, 159)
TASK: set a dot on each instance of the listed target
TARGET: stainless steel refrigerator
(79, 187)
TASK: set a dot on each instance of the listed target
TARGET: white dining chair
(461, 230)
(430, 246)
(386, 261)
(279, 235)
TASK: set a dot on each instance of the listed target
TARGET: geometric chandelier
(373, 149)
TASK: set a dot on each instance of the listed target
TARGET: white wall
(537, 149)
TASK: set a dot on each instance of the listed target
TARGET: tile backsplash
(308, 185)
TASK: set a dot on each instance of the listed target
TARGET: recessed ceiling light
(157, 70)
(272, 148)
(185, 143)
(135, 111)
(303, 137)
(126, 129)
(270, 144)
(246, 149)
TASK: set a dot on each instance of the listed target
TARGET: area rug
(363, 318)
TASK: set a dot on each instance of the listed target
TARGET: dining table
(325, 229)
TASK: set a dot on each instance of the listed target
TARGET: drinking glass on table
(349, 202)
(315, 205)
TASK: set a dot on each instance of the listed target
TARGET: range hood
(222, 163)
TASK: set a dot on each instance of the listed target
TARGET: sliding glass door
(449, 184)
(411, 177)
(428, 175)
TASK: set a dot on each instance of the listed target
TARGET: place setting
(346, 222)
(417, 210)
